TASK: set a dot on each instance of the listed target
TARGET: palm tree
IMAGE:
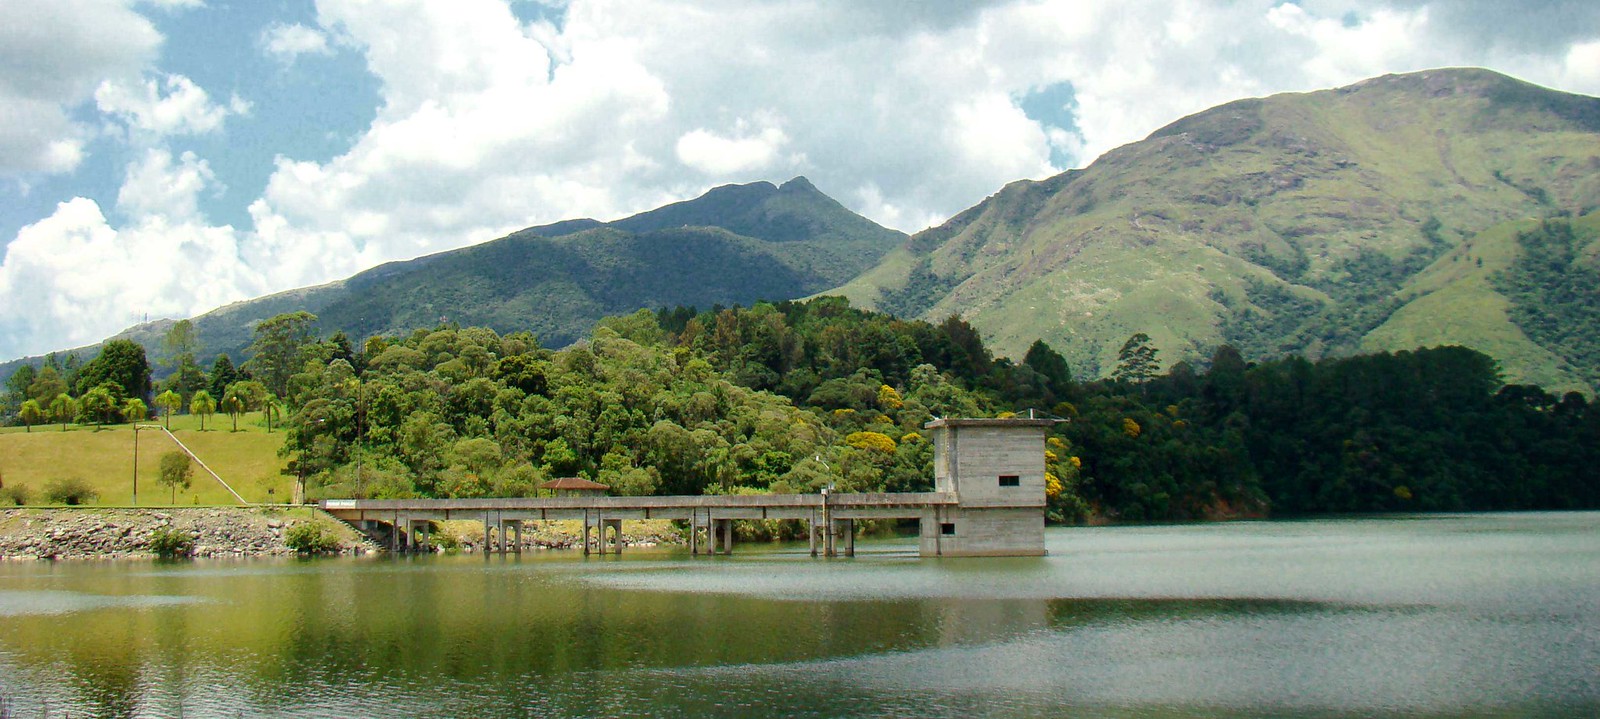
(233, 402)
(99, 403)
(135, 410)
(30, 414)
(169, 402)
(270, 406)
(63, 408)
(202, 404)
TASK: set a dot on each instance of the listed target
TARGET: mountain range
(1369, 217)
(736, 244)
(1385, 215)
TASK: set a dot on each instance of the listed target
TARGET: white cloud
(52, 55)
(1580, 70)
(288, 42)
(908, 113)
(154, 187)
(72, 278)
(173, 105)
(747, 151)
(478, 134)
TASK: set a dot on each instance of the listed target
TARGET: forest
(797, 396)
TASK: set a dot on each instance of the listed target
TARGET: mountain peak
(799, 184)
(1296, 223)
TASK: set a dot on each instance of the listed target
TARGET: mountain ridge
(734, 244)
(1286, 224)
(1361, 218)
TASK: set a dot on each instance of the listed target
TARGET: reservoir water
(1431, 616)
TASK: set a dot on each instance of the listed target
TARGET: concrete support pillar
(516, 542)
(586, 532)
(487, 545)
(829, 549)
(694, 521)
(727, 537)
(616, 534)
(850, 538)
(394, 535)
(811, 533)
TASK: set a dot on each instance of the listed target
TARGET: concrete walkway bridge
(989, 501)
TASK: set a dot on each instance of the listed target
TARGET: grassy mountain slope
(1455, 301)
(1294, 223)
(735, 244)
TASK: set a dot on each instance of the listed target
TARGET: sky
(160, 158)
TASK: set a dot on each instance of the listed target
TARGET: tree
(187, 378)
(223, 374)
(235, 402)
(63, 408)
(969, 356)
(1050, 365)
(176, 470)
(99, 403)
(278, 349)
(180, 341)
(19, 381)
(30, 414)
(1136, 361)
(169, 402)
(270, 406)
(202, 404)
(120, 363)
(47, 384)
(134, 410)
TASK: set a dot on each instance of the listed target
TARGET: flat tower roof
(992, 422)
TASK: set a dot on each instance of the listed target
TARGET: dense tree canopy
(799, 395)
(1554, 289)
(121, 363)
(796, 396)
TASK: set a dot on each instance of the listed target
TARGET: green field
(104, 458)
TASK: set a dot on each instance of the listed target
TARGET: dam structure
(988, 501)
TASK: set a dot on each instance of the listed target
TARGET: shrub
(70, 491)
(447, 538)
(310, 538)
(17, 494)
(871, 440)
(169, 542)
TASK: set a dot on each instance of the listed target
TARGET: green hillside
(735, 244)
(1320, 223)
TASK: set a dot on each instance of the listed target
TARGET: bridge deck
(767, 506)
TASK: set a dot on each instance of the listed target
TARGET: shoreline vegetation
(119, 533)
(797, 397)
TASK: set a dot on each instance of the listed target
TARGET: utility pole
(135, 464)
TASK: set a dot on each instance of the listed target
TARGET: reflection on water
(54, 602)
(1492, 615)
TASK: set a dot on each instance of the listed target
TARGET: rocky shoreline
(65, 533)
(466, 535)
(126, 533)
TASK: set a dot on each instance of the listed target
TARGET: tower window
(1010, 480)
(948, 528)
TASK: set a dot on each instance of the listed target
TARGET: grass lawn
(103, 458)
